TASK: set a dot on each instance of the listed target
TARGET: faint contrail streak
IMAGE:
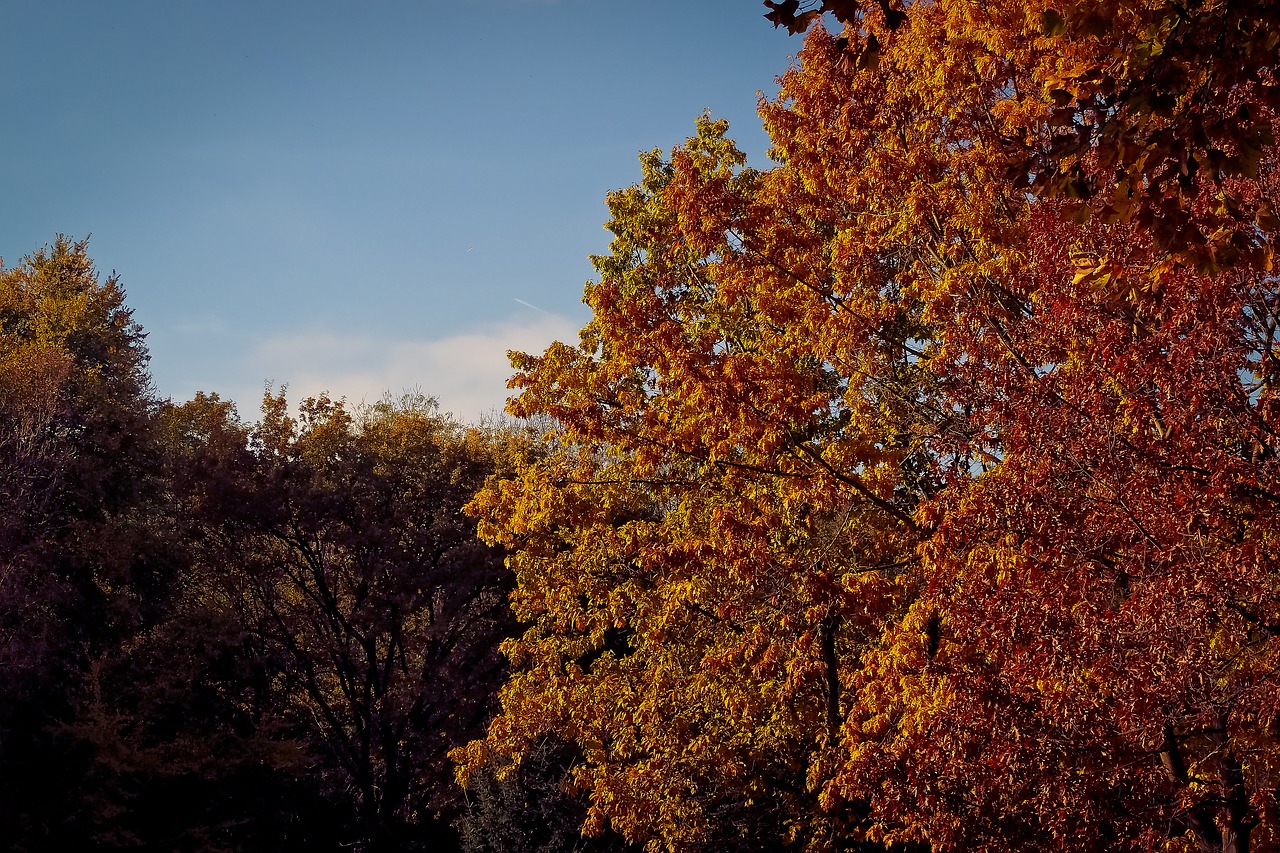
(534, 307)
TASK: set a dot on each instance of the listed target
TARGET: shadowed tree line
(226, 636)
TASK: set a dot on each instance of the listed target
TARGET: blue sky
(355, 197)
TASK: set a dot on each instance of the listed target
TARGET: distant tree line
(220, 636)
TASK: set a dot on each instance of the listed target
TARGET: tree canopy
(920, 487)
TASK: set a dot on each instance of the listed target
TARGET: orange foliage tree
(922, 487)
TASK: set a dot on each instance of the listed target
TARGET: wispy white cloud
(466, 372)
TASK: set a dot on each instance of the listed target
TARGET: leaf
(784, 14)
(844, 11)
(893, 18)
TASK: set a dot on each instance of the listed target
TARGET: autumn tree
(80, 561)
(336, 541)
(128, 720)
(187, 739)
(1117, 363)
(904, 496)
(1102, 594)
(728, 521)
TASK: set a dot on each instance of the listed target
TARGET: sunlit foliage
(921, 487)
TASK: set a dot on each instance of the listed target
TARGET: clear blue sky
(355, 196)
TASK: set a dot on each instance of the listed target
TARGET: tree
(1113, 384)
(338, 543)
(726, 525)
(80, 562)
(860, 522)
(186, 741)
(1098, 597)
